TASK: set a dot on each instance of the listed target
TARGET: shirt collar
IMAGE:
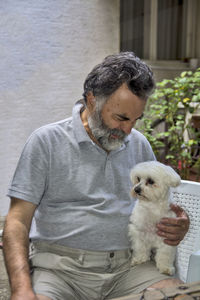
(79, 130)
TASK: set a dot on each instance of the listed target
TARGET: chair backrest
(187, 195)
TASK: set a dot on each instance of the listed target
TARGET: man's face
(111, 123)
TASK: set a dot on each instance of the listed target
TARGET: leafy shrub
(167, 122)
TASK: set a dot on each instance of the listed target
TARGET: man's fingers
(168, 236)
(168, 229)
(171, 243)
(179, 211)
(174, 229)
(174, 221)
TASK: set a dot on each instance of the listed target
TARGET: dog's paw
(168, 270)
(139, 260)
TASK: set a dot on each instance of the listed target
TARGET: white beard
(103, 133)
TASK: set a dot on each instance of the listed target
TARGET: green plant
(167, 121)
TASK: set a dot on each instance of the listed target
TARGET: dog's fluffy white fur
(151, 186)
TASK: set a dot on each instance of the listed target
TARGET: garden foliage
(167, 122)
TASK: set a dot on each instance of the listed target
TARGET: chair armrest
(193, 273)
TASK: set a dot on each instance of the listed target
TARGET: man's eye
(117, 118)
(150, 181)
(121, 118)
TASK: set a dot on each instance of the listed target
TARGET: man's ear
(91, 103)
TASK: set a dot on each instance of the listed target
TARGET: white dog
(151, 185)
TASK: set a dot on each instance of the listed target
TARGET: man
(72, 188)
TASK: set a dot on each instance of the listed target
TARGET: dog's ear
(173, 179)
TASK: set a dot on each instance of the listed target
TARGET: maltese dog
(151, 186)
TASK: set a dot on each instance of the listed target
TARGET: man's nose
(127, 127)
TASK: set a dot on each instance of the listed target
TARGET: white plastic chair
(187, 195)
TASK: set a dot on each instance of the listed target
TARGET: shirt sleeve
(149, 151)
(31, 175)
(141, 147)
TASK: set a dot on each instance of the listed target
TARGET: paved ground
(4, 285)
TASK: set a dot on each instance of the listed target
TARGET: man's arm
(16, 248)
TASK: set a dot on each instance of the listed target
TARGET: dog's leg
(141, 250)
(165, 256)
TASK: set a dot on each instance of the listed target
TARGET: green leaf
(191, 109)
(183, 74)
(170, 156)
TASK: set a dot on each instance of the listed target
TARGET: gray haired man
(70, 194)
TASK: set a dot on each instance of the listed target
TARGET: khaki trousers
(63, 273)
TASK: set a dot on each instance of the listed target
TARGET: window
(156, 29)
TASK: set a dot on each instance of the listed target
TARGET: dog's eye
(138, 179)
(150, 181)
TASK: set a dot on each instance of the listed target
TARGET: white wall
(47, 47)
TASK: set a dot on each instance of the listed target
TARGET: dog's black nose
(137, 189)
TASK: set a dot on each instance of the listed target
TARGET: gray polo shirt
(82, 192)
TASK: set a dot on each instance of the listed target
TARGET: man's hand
(173, 230)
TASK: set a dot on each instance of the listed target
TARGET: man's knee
(166, 283)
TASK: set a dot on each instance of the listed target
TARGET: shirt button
(112, 254)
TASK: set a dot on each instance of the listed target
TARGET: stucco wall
(47, 47)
